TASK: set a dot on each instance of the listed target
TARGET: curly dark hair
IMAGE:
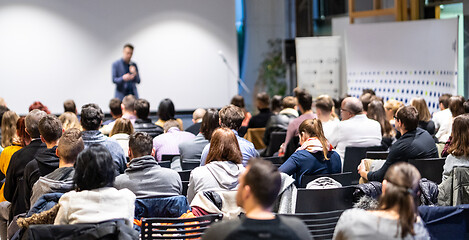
(91, 116)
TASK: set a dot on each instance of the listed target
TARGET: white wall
(54, 50)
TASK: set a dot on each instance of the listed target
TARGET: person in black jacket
(415, 143)
(197, 120)
(14, 183)
(143, 123)
(50, 128)
(262, 103)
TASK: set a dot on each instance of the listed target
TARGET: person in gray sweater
(143, 176)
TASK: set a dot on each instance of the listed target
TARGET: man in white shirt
(443, 115)
(355, 129)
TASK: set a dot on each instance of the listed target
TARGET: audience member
(222, 167)
(280, 121)
(61, 179)
(324, 106)
(8, 128)
(238, 101)
(128, 112)
(315, 156)
(459, 147)
(95, 200)
(305, 102)
(391, 107)
(396, 216)
(19, 141)
(231, 117)
(3, 109)
(121, 132)
(143, 123)
(166, 111)
(262, 104)
(414, 143)
(91, 118)
(197, 120)
(69, 120)
(2, 102)
(355, 129)
(366, 98)
(143, 176)
(425, 121)
(69, 106)
(466, 106)
(276, 104)
(38, 105)
(376, 112)
(44, 162)
(258, 188)
(116, 110)
(192, 150)
(456, 108)
(444, 114)
(168, 142)
(14, 182)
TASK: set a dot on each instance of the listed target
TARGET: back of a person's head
(198, 114)
(3, 102)
(142, 108)
(456, 105)
(305, 100)
(377, 113)
(32, 122)
(459, 145)
(401, 190)
(289, 102)
(69, 106)
(21, 131)
(421, 105)
(94, 168)
(366, 99)
(276, 103)
(444, 100)
(128, 102)
(50, 128)
(141, 144)
(8, 128)
(408, 116)
(69, 120)
(325, 103)
(224, 147)
(122, 125)
(166, 110)
(353, 105)
(210, 122)
(3, 109)
(466, 106)
(38, 105)
(238, 101)
(70, 145)
(170, 124)
(115, 106)
(264, 181)
(231, 117)
(313, 128)
(91, 116)
(297, 91)
(262, 100)
(368, 90)
(393, 105)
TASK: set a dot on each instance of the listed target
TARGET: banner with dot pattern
(413, 60)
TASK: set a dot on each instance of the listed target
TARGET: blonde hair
(394, 105)
(69, 120)
(122, 125)
(422, 109)
(9, 128)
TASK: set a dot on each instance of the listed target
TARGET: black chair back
(353, 157)
(430, 168)
(185, 186)
(165, 164)
(276, 139)
(320, 225)
(323, 200)
(189, 164)
(185, 175)
(274, 160)
(377, 154)
(176, 228)
(343, 178)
